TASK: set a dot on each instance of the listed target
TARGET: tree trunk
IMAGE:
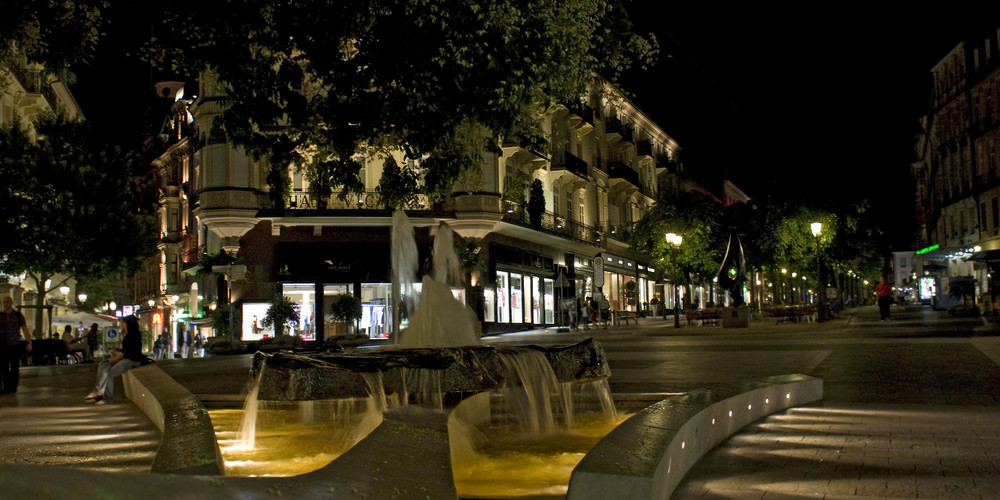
(39, 332)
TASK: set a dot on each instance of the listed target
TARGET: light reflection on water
(512, 464)
(291, 439)
(509, 464)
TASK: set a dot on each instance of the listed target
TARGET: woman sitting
(130, 357)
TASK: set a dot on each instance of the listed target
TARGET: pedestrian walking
(883, 291)
(12, 325)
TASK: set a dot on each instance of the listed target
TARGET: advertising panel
(253, 321)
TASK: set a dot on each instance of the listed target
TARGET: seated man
(75, 344)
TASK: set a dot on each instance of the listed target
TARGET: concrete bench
(624, 317)
(703, 316)
(648, 455)
(188, 444)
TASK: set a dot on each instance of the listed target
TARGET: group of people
(86, 344)
(191, 346)
(593, 311)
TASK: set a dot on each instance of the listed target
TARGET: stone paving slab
(48, 423)
(857, 451)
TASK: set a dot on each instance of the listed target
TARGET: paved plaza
(911, 406)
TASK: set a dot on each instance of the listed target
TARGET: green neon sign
(928, 249)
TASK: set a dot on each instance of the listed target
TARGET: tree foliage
(281, 314)
(695, 218)
(68, 205)
(398, 185)
(53, 33)
(774, 236)
(313, 81)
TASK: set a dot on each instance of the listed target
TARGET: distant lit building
(957, 167)
(602, 168)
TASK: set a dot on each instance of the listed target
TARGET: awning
(74, 318)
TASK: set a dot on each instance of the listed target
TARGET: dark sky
(823, 104)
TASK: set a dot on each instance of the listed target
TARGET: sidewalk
(47, 423)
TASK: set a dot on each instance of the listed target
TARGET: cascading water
(405, 260)
(441, 320)
(531, 396)
(520, 436)
(248, 425)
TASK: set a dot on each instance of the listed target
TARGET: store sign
(598, 271)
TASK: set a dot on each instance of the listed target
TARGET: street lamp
(817, 228)
(674, 241)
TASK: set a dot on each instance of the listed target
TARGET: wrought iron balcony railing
(515, 213)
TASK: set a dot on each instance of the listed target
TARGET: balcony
(581, 117)
(620, 232)
(613, 129)
(644, 148)
(619, 170)
(519, 150)
(517, 214)
(35, 81)
(572, 164)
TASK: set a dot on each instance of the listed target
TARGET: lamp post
(817, 228)
(674, 241)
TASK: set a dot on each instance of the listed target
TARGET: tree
(52, 33)
(515, 190)
(345, 308)
(696, 218)
(68, 206)
(536, 203)
(281, 314)
(398, 185)
(314, 82)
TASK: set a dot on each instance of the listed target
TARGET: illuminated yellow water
(286, 443)
(511, 465)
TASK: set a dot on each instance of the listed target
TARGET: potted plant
(281, 313)
(223, 345)
(345, 309)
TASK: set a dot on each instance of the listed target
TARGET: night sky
(815, 105)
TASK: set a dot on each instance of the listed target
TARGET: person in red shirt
(884, 293)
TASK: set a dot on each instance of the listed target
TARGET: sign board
(598, 271)
(112, 335)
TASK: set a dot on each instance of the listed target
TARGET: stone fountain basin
(286, 376)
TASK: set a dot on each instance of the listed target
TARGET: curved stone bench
(406, 457)
(188, 444)
(649, 454)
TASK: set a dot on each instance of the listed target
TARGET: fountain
(439, 362)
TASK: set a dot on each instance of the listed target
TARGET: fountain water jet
(440, 360)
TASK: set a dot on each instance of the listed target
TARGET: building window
(982, 216)
(996, 214)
